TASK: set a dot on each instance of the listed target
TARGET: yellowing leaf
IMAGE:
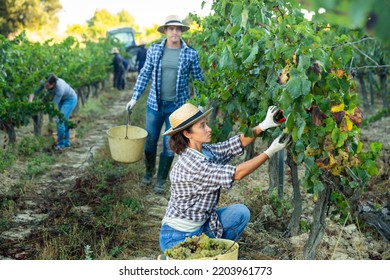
(339, 73)
(337, 108)
(357, 116)
(347, 124)
(332, 160)
(326, 163)
(294, 59)
(360, 147)
(283, 76)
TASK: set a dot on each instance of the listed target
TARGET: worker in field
(65, 99)
(200, 173)
(119, 81)
(141, 57)
(169, 64)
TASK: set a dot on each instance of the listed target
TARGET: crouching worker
(200, 173)
(65, 99)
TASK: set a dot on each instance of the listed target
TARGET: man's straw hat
(173, 20)
(114, 50)
(184, 117)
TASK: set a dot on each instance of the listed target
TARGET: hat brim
(173, 131)
(184, 28)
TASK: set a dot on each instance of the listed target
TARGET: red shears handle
(279, 118)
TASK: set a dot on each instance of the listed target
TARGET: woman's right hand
(130, 105)
(278, 144)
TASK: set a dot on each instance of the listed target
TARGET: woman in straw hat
(201, 171)
(169, 64)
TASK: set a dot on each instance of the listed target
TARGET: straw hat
(114, 50)
(173, 20)
(184, 117)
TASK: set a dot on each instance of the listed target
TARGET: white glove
(269, 119)
(278, 144)
(130, 105)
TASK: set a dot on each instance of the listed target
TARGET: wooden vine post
(383, 72)
(318, 225)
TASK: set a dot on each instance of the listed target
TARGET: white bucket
(231, 254)
(128, 149)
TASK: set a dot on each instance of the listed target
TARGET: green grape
(196, 247)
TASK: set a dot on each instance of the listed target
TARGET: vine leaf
(227, 58)
(317, 116)
(252, 56)
(357, 116)
(244, 18)
(337, 108)
(298, 86)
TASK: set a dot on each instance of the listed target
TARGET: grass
(106, 206)
(377, 116)
(38, 165)
(27, 159)
(91, 111)
(101, 223)
(7, 160)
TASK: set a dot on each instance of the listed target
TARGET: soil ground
(264, 237)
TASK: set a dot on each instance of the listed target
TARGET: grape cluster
(197, 247)
(344, 160)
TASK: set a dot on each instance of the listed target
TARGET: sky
(145, 12)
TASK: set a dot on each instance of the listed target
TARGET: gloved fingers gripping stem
(278, 144)
(285, 139)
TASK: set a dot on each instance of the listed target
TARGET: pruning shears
(278, 117)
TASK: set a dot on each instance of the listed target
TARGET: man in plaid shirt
(169, 64)
(201, 171)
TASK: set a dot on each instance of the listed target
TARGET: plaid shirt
(196, 181)
(188, 64)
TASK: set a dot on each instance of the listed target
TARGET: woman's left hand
(269, 120)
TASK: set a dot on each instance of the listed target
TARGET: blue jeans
(234, 219)
(66, 107)
(154, 123)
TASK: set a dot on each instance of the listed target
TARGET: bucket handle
(127, 123)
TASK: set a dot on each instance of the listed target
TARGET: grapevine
(261, 53)
(33, 62)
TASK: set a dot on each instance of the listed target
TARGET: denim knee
(234, 227)
(244, 212)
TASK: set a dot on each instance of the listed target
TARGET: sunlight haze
(145, 12)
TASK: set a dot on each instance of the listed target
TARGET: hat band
(189, 120)
(173, 21)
